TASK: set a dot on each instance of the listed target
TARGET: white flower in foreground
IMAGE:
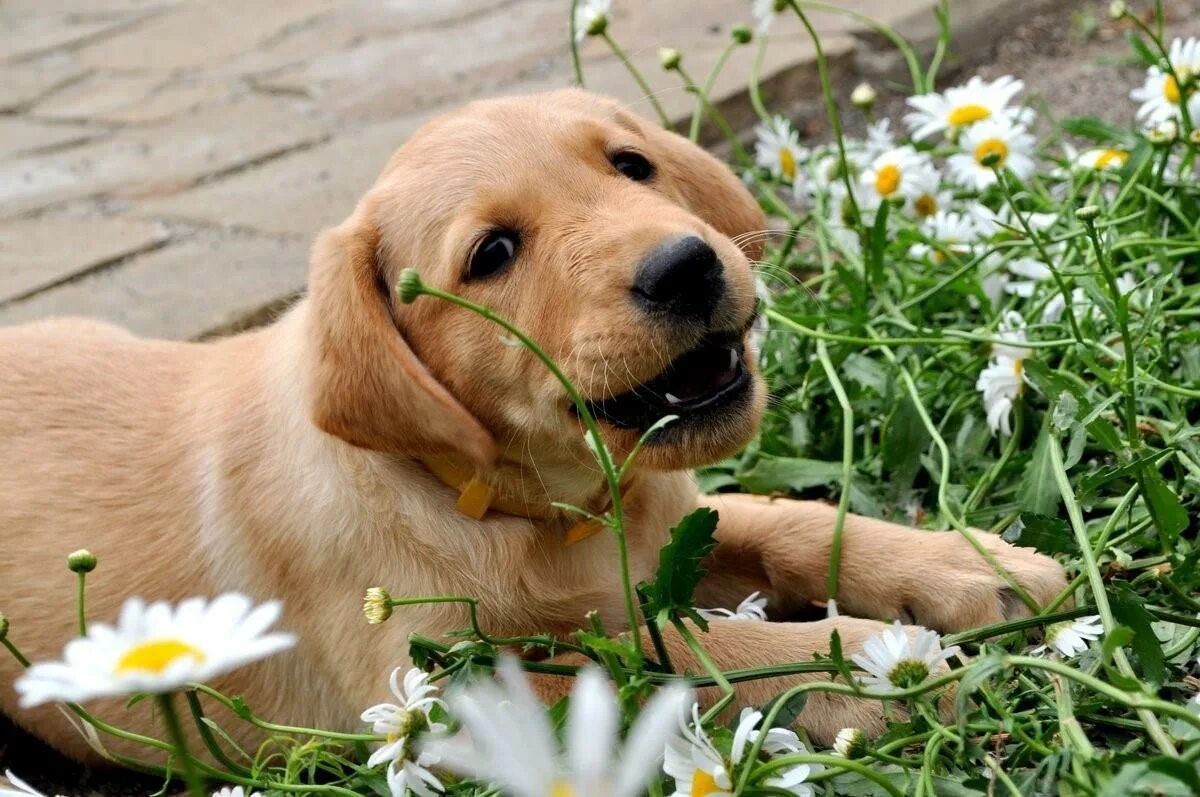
(1160, 94)
(764, 14)
(962, 106)
(752, 608)
(893, 661)
(927, 196)
(879, 139)
(234, 791)
(850, 743)
(23, 789)
(1001, 383)
(508, 739)
(951, 232)
(1070, 638)
(892, 175)
(591, 17)
(988, 145)
(1101, 159)
(398, 722)
(699, 770)
(778, 148)
(157, 649)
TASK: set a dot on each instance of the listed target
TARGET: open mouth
(701, 380)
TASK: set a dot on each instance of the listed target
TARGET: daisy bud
(863, 96)
(991, 159)
(597, 25)
(81, 561)
(1117, 9)
(410, 286)
(377, 605)
(850, 743)
(1163, 133)
(3, 625)
(780, 6)
(669, 57)
(1194, 137)
(742, 34)
(1087, 212)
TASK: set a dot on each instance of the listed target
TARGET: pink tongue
(701, 376)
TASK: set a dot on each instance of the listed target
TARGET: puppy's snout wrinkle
(683, 278)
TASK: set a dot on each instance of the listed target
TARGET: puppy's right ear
(368, 387)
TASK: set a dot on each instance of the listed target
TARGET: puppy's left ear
(710, 189)
(369, 388)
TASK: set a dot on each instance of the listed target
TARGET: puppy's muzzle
(682, 280)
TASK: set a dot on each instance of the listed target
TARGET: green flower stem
(473, 617)
(755, 88)
(1111, 523)
(835, 120)
(951, 337)
(944, 501)
(989, 477)
(573, 42)
(639, 79)
(81, 578)
(942, 12)
(1010, 626)
(244, 713)
(15, 651)
(603, 457)
(191, 777)
(835, 547)
(832, 761)
(1099, 594)
(206, 736)
(1069, 310)
(920, 86)
(704, 93)
(713, 670)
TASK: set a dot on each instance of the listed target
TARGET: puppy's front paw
(948, 585)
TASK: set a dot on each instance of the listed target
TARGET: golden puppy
(298, 461)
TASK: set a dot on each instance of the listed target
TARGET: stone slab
(136, 98)
(27, 83)
(19, 135)
(27, 35)
(297, 194)
(161, 159)
(39, 252)
(198, 34)
(181, 292)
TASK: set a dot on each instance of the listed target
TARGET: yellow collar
(476, 497)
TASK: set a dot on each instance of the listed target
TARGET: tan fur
(283, 462)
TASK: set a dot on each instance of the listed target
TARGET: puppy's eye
(494, 252)
(633, 165)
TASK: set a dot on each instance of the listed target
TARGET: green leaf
(1141, 48)
(1169, 515)
(1130, 610)
(877, 242)
(1089, 483)
(1052, 384)
(679, 568)
(1039, 491)
(1155, 777)
(1095, 129)
(788, 711)
(905, 438)
(1043, 533)
(779, 474)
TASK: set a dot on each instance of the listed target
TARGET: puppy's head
(606, 239)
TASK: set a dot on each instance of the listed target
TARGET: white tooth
(732, 359)
(672, 398)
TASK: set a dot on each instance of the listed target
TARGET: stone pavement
(165, 164)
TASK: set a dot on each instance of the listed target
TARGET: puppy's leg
(932, 578)
(738, 644)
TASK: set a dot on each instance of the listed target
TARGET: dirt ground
(1074, 62)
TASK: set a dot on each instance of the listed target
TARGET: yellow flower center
(887, 180)
(1112, 158)
(925, 205)
(1171, 89)
(561, 789)
(967, 114)
(157, 656)
(703, 784)
(1019, 367)
(992, 146)
(787, 163)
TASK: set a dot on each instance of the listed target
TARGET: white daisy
(1070, 638)
(962, 106)
(927, 196)
(778, 149)
(157, 649)
(951, 232)
(752, 608)
(590, 17)
(1010, 145)
(1160, 94)
(22, 789)
(1002, 382)
(1101, 159)
(891, 176)
(850, 743)
(879, 139)
(398, 722)
(508, 739)
(234, 791)
(1002, 222)
(893, 661)
(1031, 271)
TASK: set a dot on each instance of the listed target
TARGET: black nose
(681, 277)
